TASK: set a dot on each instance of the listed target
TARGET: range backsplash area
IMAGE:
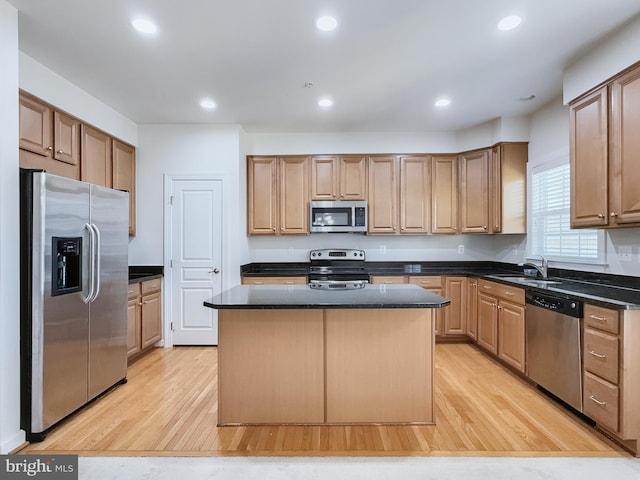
(622, 249)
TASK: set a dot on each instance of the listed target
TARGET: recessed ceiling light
(144, 25)
(509, 23)
(442, 102)
(326, 23)
(325, 102)
(208, 104)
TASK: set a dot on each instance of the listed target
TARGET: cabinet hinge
(172, 326)
(171, 199)
(171, 263)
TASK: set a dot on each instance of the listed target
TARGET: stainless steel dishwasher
(554, 345)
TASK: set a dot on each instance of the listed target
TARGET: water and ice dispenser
(66, 255)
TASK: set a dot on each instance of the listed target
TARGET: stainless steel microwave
(338, 217)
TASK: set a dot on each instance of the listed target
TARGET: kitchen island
(290, 354)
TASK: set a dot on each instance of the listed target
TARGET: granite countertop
(303, 296)
(607, 290)
(142, 273)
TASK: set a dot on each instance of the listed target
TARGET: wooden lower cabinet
(472, 308)
(487, 336)
(388, 279)
(144, 316)
(511, 333)
(455, 289)
(501, 327)
(291, 280)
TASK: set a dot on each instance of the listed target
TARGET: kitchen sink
(529, 282)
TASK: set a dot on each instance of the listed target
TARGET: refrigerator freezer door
(60, 322)
(108, 310)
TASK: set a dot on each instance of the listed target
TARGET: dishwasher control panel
(565, 306)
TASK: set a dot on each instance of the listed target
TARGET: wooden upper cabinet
(49, 140)
(95, 157)
(336, 177)
(475, 194)
(415, 194)
(294, 195)
(589, 160)
(383, 194)
(66, 138)
(444, 194)
(624, 160)
(35, 126)
(262, 196)
(124, 177)
(509, 188)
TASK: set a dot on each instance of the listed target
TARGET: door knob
(215, 270)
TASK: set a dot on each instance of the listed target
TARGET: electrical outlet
(625, 253)
(291, 251)
(383, 249)
(460, 248)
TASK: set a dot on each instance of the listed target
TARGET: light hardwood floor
(169, 408)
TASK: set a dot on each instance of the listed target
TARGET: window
(551, 235)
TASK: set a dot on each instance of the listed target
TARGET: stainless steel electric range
(337, 269)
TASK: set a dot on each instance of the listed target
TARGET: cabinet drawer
(151, 286)
(506, 292)
(426, 282)
(601, 401)
(133, 291)
(601, 355)
(601, 318)
(388, 279)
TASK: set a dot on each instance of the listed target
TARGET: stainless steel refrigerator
(74, 276)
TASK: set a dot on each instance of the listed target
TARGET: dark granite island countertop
(304, 297)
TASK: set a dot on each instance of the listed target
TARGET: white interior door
(196, 259)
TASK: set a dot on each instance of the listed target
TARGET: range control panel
(336, 254)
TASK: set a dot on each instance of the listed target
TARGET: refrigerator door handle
(96, 262)
(89, 296)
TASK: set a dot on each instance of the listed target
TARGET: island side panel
(379, 365)
(270, 366)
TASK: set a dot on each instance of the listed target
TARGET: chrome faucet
(540, 268)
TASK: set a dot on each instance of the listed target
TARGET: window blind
(551, 232)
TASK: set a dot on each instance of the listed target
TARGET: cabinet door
(262, 195)
(383, 195)
(455, 313)
(624, 174)
(151, 319)
(511, 334)
(124, 177)
(35, 126)
(353, 178)
(438, 318)
(95, 157)
(509, 182)
(294, 195)
(324, 178)
(474, 192)
(472, 308)
(589, 160)
(134, 334)
(444, 194)
(66, 138)
(488, 323)
(415, 194)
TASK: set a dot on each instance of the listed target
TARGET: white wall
(38, 80)
(188, 149)
(610, 56)
(10, 434)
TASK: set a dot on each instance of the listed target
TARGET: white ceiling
(384, 66)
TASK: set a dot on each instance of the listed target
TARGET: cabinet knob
(59, 152)
(50, 148)
(613, 214)
(601, 215)
(484, 227)
(496, 227)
